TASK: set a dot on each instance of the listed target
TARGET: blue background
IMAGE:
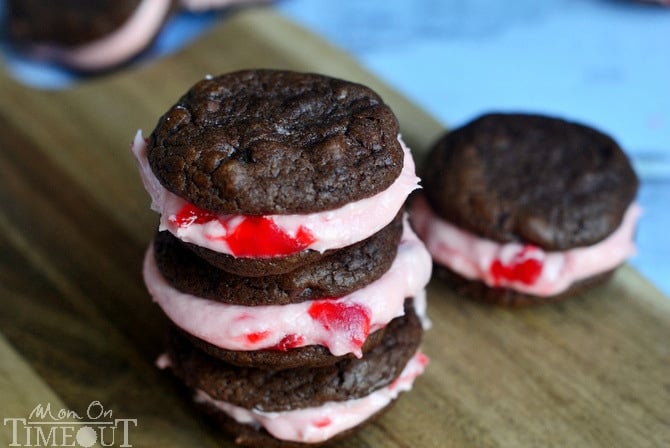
(605, 63)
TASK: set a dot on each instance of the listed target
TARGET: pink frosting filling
(317, 424)
(524, 268)
(332, 229)
(116, 47)
(341, 324)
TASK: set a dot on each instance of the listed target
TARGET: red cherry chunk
(254, 236)
(520, 269)
(259, 236)
(257, 336)
(353, 319)
(288, 342)
(322, 423)
(190, 214)
(422, 359)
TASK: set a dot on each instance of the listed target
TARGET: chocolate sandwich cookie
(341, 273)
(515, 200)
(341, 323)
(264, 171)
(271, 390)
(66, 22)
(83, 34)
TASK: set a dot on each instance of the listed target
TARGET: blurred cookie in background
(521, 209)
(85, 35)
(93, 36)
(209, 5)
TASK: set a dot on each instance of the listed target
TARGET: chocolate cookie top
(271, 390)
(532, 179)
(261, 142)
(338, 274)
(66, 22)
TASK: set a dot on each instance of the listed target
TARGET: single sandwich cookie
(275, 167)
(331, 399)
(271, 390)
(529, 206)
(86, 35)
(341, 323)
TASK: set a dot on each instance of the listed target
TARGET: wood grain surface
(79, 326)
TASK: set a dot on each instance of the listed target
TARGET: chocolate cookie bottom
(478, 290)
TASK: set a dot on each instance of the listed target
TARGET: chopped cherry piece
(288, 342)
(354, 319)
(190, 214)
(257, 337)
(521, 269)
(254, 236)
(259, 236)
(394, 384)
(422, 359)
(322, 423)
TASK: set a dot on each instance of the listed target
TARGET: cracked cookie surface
(261, 142)
(528, 178)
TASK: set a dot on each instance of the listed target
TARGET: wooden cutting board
(78, 325)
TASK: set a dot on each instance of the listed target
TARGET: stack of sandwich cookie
(520, 209)
(283, 257)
